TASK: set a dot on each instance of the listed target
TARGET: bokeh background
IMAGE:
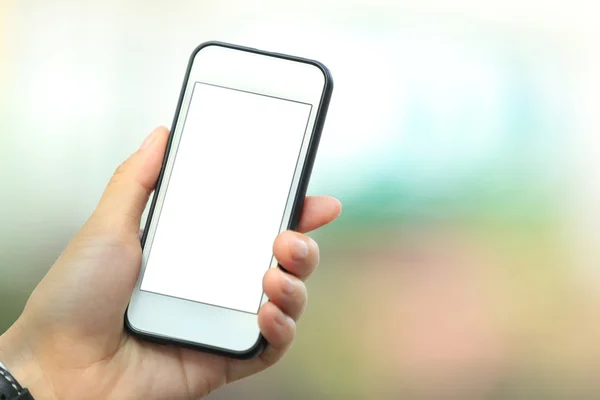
(463, 139)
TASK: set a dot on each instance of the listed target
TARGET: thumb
(124, 199)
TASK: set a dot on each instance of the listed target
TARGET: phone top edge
(324, 70)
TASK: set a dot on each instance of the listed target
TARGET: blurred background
(463, 139)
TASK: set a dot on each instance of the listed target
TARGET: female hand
(69, 343)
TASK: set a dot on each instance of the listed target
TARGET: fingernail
(289, 286)
(299, 249)
(148, 140)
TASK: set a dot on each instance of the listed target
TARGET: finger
(318, 211)
(127, 193)
(279, 330)
(296, 253)
(286, 291)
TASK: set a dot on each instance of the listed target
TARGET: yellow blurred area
(463, 139)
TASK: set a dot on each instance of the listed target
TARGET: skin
(69, 342)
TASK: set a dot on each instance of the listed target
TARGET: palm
(174, 373)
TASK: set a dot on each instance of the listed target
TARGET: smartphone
(235, 173)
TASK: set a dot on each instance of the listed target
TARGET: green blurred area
(454, 271)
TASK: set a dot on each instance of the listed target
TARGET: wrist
(19, 360)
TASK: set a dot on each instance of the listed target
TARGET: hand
(69, 343)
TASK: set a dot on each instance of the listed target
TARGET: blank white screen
(225, 197)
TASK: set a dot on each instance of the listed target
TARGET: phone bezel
(296, 207)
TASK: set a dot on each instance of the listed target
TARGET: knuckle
(303, 306)
(316, 252)
(120, 172)
(313, 245)
(299, 293)
(116, 244)
(296, 298)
